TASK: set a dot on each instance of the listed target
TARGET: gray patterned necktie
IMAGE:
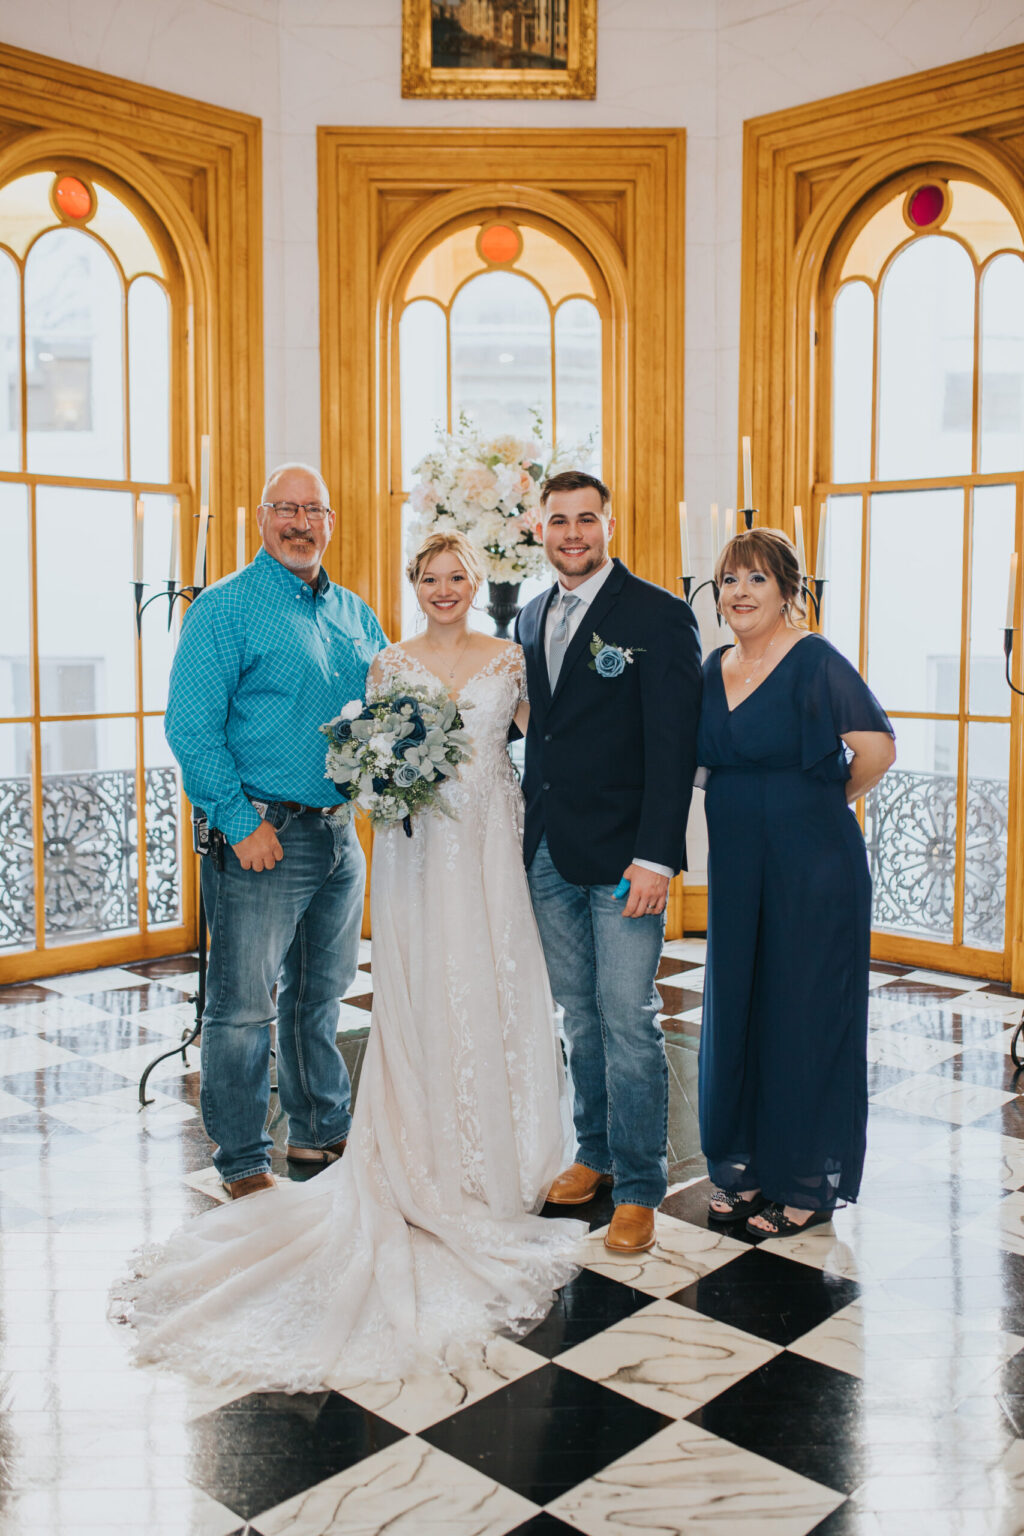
(560, 637)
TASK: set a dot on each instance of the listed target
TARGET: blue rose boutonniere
(610, 660)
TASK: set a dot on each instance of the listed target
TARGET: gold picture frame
(434, 40)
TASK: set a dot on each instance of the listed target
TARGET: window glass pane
(115, 223)
(926, 362)
(990, 564)
(149, 370)
(15, 666)
(988, 799)
(423, 381)
(17, 877)
(163, 828)
(86, 617)
(74, 330)
(158, 643)
(853, 343)
(90, 829)
(914, 600)
(840, 608)
(10, 366)
(501, 353)
(910, 828)
(1002, 365)
(578, 376)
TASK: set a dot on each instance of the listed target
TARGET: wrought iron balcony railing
(90, 854)
(911, 835)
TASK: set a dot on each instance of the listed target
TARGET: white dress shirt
(586, 592)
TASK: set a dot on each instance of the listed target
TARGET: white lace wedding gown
(420, 1243)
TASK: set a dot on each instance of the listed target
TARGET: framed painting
(455, 49)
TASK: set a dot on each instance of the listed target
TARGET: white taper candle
(1011, 595)
(748, 493)
(798, 524)
(172, 564)
(198, 571)
(684, 539)
(204, 473)
(819, 559)
(730, 524)
(137, 540)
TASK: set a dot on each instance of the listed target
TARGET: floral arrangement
(390, 757)
(489, 489)
(609, 660)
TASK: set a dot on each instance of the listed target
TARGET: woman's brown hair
(772, 551)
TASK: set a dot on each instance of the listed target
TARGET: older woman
(790, 737)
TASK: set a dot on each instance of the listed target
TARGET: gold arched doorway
(616, 196)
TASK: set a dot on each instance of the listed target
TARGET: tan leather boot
(632, 1229)
(319, 1155)
(577, 1185)
(239, 1188)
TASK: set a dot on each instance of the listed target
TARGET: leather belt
(310, 810)
(295, 807)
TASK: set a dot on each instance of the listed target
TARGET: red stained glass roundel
(499, 243)
(926, 205)
(73, 198)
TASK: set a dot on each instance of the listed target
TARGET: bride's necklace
(752, 666)
(459, 652)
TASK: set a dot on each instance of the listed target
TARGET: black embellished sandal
(784, 1227)
(738, 1210)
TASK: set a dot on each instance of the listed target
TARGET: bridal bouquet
(489, 489)
(390, 757)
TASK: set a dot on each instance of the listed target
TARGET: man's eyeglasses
(286, 510)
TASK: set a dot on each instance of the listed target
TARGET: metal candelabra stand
(815, 594)
(172, 593)
(1008, 634)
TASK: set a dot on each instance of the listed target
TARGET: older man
(266, 656)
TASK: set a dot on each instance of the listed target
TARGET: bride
(421, 1242)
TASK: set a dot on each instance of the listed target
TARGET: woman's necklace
(449, 671)
(753, 665)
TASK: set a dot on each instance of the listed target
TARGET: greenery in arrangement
(390, 757)
(489, 489)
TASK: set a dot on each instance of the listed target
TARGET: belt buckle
(259, 805)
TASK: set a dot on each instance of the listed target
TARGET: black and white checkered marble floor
(865, 1379)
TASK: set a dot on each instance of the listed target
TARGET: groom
(614, 677)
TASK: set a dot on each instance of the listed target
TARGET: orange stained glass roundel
(499, 243)
(73, 197)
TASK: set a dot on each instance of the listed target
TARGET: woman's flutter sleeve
(836, 701)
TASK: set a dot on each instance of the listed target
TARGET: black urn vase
(503, 605)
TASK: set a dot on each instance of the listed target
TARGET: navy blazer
(610, 760)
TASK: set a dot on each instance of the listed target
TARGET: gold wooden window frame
(486, 218)
(191, 173)
(807, 172)
(383, 194)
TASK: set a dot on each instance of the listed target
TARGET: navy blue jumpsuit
(783, 1053)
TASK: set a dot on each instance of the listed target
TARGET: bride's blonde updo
(772, 551)
(447, 541)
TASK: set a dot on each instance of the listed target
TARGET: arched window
(500, 320)
(90, 802)
(921, 433)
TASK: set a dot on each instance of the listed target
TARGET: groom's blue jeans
(296, 925)
(602, 967)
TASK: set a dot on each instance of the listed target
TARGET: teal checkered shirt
(262, 663)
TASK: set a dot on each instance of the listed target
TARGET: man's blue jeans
(602, 967)
(296, 925)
